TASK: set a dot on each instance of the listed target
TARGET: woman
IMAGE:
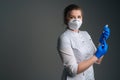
(76, 48)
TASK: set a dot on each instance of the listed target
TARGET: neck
(76, 30)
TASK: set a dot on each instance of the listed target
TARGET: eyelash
(71, 17)
(77, 17)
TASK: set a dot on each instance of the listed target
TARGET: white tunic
(74, 48)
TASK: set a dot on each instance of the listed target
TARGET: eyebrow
(73, 15)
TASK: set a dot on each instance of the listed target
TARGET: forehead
(75, 12)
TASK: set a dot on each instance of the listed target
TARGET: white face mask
(74, 24)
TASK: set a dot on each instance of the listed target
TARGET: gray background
(29, 32)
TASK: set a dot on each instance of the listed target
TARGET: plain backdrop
(28, 37)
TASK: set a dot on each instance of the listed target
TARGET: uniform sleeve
(67, 56)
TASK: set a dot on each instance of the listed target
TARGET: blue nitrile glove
(102, 49)
(105, 34)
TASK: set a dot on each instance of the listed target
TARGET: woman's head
(72, 12)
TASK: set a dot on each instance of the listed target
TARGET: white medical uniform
(73, 48)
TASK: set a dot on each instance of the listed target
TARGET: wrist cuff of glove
(98, 56)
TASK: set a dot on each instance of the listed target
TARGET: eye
(71, 17)
(79, 16)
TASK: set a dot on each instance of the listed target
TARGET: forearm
(82, 66)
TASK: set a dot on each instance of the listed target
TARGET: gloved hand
(102, 49)
(105, 34)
